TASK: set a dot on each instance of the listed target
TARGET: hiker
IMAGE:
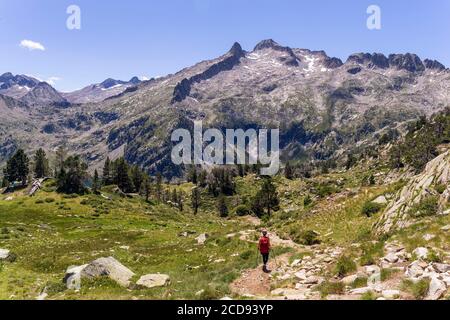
(264, 248)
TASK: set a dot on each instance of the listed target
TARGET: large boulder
(108, 267)
(154, 280)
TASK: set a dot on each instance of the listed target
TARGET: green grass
(50, 236)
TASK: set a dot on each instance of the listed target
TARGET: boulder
(72, 279)
(201, 239)
(361, 290)
(373, 269)
(441, 267)
(437, 289)
(446, 228)
(4, 254)
(374, 279)
(349, 280)
(391, 258)
(380, 200)
(429, 237)
(109, 267)
(390, 294)
(154, 280)
(421, 253)
(415, 269)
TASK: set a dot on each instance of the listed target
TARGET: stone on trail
(109, 267)
(349, 279)
(415, 269)
(4, 254)
(361, 290)
(391, 294)
(391, 258)
(372, 269)
(421, 253)
(437, 289)
(154, 280)
(441, 267)
(374, 279)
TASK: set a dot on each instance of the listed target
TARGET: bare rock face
(422, 186)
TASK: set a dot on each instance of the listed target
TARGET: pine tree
(17, 168)
(96, 182)
(193, 177)
(222, 206)
(195, 199)
(41, 168)
(137, 176)
(267, 198)
(71, 176)
(107, 177)
(123, 178)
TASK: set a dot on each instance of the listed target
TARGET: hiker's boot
(264, 268)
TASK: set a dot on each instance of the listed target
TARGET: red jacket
(264, 245)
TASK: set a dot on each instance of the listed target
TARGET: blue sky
(120, 39)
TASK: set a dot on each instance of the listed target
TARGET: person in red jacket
(264, 248)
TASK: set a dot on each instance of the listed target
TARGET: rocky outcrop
(434, 65)
(232, 58)
(409, 62)
(423, 186)
(376, 60)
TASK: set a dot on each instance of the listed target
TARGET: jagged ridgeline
(324, 107)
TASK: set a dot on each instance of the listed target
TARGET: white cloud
(32, 45)
(52, 80)
(144, 78)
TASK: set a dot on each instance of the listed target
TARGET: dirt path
(255, 282)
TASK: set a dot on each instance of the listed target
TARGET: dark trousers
(265, 258)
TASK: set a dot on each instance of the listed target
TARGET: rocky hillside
(426, 194)
(324, 107)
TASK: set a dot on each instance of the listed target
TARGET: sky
(149, 38)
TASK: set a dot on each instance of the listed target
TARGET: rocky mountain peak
(409, 62)
(375, 60)
(44, 94)
(433, 64)
(135, 80)
(267, 44)
(236, 50)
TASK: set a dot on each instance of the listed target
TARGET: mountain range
(324, 107)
